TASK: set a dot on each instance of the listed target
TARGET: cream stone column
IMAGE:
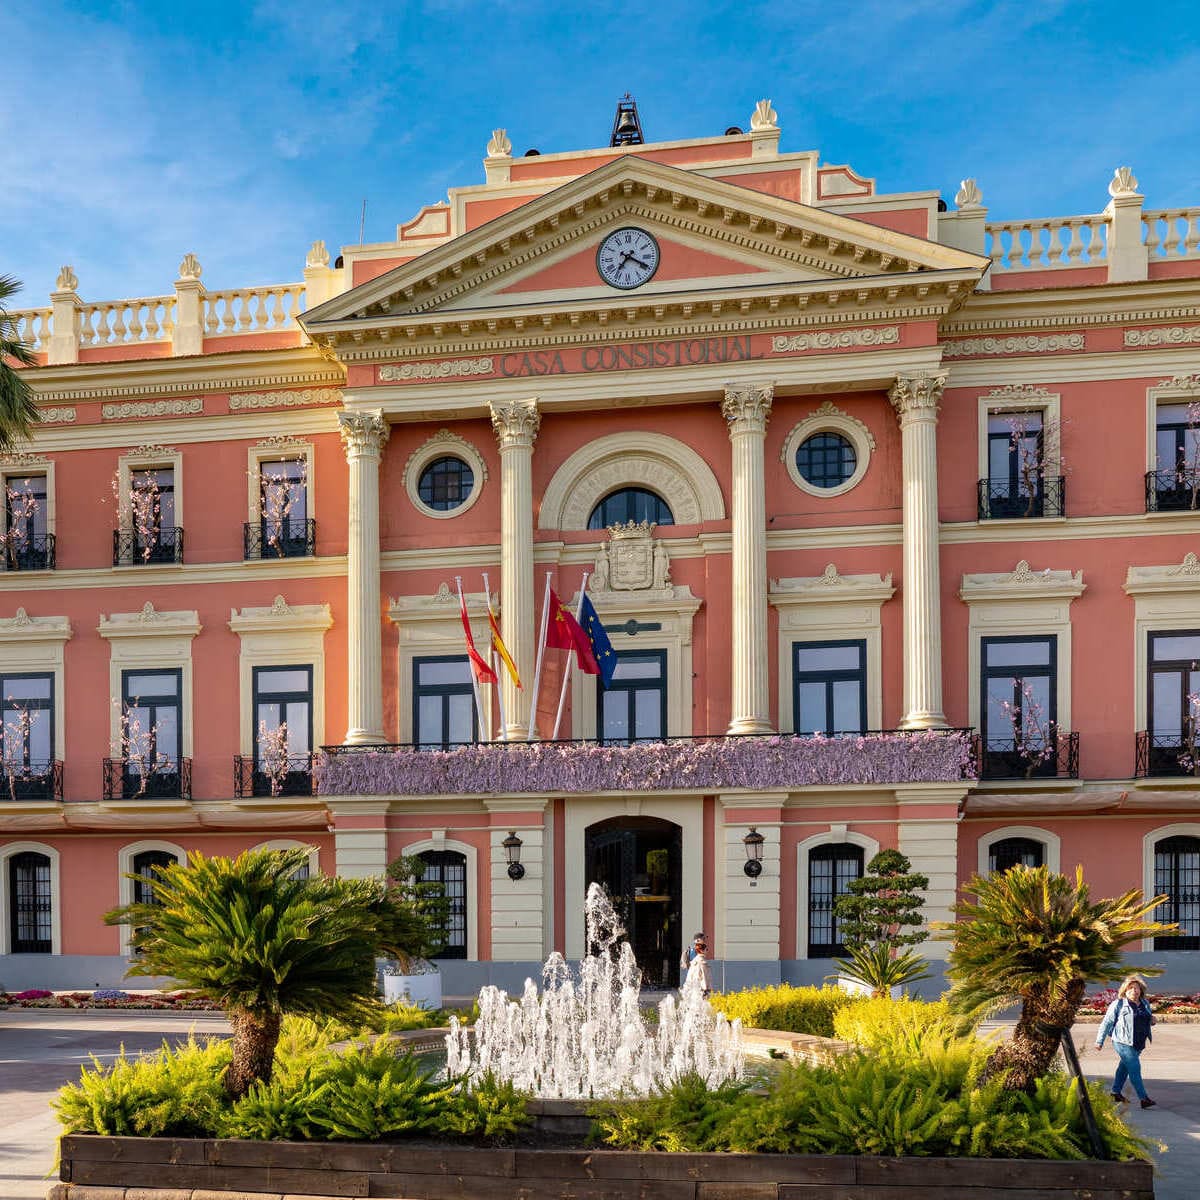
(747, 408)
(363, 435)
(516, 424)
(916, 399)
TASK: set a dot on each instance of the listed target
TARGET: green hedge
(794, 1009)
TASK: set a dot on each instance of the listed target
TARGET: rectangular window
(26, 736)
(150, 734)
(27, 545)
(829, 687)
(1019, 707)
(830, 870)
(283, 525)
(634, 707)
(1173, 700)
(443, 702)
(1174, 483)
(283, 730)
(1018, 483)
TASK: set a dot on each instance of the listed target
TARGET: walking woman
(1128, 1019)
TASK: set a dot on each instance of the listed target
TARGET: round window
(445, 484)
(826, 460)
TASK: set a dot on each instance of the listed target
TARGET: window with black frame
(1173, 703)
(449, 868)
(446, 484)
(1016, 482)
(1174, 484)
(283, 509)
(829, 686)
(634, 706)
(1019, 707)
(283, 730)
(1011, 852)
(145, 863)
(830, 870)
(631, 504)
(30, 904)
(151, 762)
(152, 514)
(26, 736)
(443, 702)
(1177, 876)
(27, 545)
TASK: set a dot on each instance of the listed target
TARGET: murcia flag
(597, 635)
(483, 673)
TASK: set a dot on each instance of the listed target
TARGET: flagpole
(462, 603)
(537, 671)
(487, 595)
(562, 695)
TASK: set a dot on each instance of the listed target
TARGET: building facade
(890, 513)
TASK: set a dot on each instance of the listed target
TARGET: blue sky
(131, 133)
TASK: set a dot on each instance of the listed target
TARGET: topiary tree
(261, 942)
(1029, 936)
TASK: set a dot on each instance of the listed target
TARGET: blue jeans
(1130, 1067)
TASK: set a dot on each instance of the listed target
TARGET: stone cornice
(282, 617)
(148, 622)
(830, 587)
(1183, 577)
(1022, 584)
(23, 628)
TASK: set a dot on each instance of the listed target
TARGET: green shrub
(795, 1009)
(488, 1108)
(685, 1116)
(905, 1025)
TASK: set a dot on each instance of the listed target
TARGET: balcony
(1173, 491)
(700, 764)
(133, 548)
(279, 539)
(28, 554)
(293, 776)
(1003, 758)
(141, 779)
(1000, 500)
(31, 781)
(1176, 754)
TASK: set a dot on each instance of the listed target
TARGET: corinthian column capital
(917, 397)
(363, 433)
(516, 422)
(747, 406)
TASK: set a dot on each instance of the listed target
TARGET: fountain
(587, 1037)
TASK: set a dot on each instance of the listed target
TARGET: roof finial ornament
(67, 280)
(969, 196)
(763, 118)
(318, 255)
(499, 146)
(190, 269)
(627, 127)
(1124, 183)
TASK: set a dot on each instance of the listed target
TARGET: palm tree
(251, 935)
(1033, 937)
(18, 413)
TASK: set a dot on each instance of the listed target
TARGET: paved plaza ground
(42, 1049)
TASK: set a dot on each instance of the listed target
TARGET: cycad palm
(18, 413)
(1034, 937)
(250, 935)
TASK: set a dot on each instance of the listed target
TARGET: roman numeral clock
(627, 258)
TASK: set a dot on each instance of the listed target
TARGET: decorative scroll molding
(22, 459)
(282, 617)
(632, 561)
(282, 441)
(441, 606)
(449, 369)
(150, 450)
(1164, 335)
(1020, 392)
(56, 416)
(447, 444)
(1022, 583)
(1028, 344)
(290, 399)
(1182, 577)
(830, 587)
(149, 622)
(1181, 383)
(151, 408)
(22, 627)
(885, 335)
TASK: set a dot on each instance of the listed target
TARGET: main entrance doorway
(639, 861)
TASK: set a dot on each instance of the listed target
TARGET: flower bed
(715, 764)
(107, 998)
(1164, 1004)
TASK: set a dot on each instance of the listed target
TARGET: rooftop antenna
(362, 221)
(627, 129)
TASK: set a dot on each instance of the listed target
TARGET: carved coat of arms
(632, 561)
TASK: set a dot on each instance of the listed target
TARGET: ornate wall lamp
(753, 841)
(512, 851)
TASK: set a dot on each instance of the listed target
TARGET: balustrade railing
(31, 781)
(28, 554)
(127, 322)
(1171, 233)
(1056, 756)
(292, 776)
(279, 539)
(1049, 243)
(1176, 753)
(135, 548)
(1172, 491)
(253, 310)
(999, 499)
(137, 779)
(33, 326)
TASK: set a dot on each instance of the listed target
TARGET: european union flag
(602, 648)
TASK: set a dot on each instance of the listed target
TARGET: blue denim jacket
(1118, 1020)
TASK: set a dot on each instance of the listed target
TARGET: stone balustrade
(1172, 233)
(127, 322)
(33, 326)
(253, 310)
(1045, 243)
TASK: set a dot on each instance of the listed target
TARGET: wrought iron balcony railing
(292, 776)
(133, 548)
(31, 781)
(1176, 753)
(1173, 491)
(142, 779)
(1004, 758)
(279, 539)
(1000, 499)
(28, 553)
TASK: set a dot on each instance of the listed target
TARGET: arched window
(630, 504)
(1013, 852)
(31, 903)
(830, 869)
(144, 864)
(1177, 876)
(449, 868)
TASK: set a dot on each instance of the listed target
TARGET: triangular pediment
(714, 237)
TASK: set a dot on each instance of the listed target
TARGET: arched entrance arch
(639, 861)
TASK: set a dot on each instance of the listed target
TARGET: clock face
(627, 258)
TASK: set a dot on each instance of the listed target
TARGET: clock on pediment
(627, 258)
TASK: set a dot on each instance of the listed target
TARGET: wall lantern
(753, 841)
(512, 851)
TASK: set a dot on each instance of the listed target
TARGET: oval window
(445, 484)
(826, 460)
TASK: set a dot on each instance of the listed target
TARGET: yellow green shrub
(881, 1024)
(783, 1006)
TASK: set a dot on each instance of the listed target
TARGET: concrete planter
(425, 991)
(186, 1169)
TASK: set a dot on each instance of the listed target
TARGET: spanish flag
(501, 649)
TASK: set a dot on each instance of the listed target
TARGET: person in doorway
(1128, 1019)
(697, 952)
